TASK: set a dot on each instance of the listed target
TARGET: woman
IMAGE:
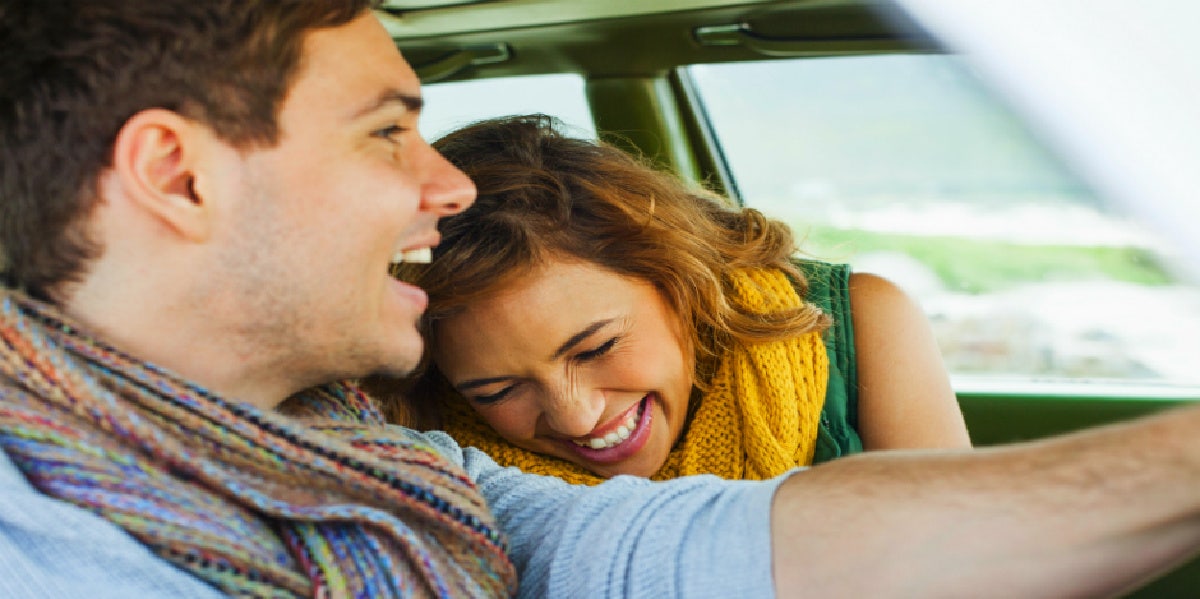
(591, 317)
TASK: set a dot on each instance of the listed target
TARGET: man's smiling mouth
(422, 255)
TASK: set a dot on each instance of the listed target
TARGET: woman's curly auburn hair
(544, 195)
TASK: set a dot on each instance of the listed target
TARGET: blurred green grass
(984, 265)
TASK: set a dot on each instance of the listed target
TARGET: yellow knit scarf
(758, 418)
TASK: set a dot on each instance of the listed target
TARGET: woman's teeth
(614, 437)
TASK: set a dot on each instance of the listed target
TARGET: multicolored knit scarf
(758, 418)
(330, 503)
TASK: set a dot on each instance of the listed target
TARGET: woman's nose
(575, 411)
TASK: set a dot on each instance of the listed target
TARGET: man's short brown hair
(74, 71)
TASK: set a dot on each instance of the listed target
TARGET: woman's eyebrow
(580, 336)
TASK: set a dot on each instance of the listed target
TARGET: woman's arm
(904, 394)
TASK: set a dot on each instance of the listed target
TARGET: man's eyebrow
(580, 336)
(411, 102)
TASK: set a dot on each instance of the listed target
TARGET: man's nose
(447, 190)
(574, 411)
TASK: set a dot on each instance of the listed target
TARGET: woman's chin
(642, 464)
(642, 471)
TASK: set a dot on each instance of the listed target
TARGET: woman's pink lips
(623, 450)
(616, 421)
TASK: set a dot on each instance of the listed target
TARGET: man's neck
(164, 331)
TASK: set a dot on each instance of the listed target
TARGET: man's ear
(154, 161)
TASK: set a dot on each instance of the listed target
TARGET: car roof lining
(597, 39)
(426, 18)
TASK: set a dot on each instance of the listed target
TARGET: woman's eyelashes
(592, 354)
(491, 398)
(584, 356)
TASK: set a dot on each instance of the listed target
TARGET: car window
(905, 166)
(452, 105)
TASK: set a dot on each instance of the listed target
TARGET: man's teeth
(414, 256)
(614, 437)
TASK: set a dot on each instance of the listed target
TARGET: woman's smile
(618, 439)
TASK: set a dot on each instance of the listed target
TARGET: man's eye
(592, 354)
(390, 133)
(493, 398)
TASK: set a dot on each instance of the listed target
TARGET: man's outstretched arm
(1090, 514)
(1083, 515)
(697, 536)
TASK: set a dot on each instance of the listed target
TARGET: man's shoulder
(51, 548)
(437, 440)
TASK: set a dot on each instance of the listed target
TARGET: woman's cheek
(515, 420)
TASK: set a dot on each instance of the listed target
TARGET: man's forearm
(1091, 513)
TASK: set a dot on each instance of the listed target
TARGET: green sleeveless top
(829, 289)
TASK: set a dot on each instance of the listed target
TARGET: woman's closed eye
(592, 354)
(491, 397)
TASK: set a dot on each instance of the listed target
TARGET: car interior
(882, 149)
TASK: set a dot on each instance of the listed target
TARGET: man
(200, 202)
